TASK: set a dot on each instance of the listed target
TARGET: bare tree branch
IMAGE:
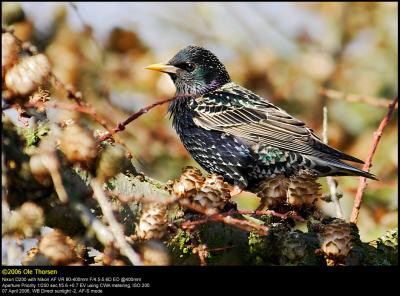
(332, 184)
(116, 228)
(121, 126)
(368, 162)
(337, 95)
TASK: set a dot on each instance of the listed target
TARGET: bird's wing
(239, 112)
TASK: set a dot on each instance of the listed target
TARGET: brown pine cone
(294, 247)
(273, 192)
(9, 52)
(303, 189)
(189, 182)
(213, 195)
(111, 162)
(27, 220)
(58, 248)
(78, 144)
(154, 253)
(336, 240)
(26, 76)
(153, 221)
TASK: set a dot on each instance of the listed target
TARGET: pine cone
(111, 162)
(26, 76)
(154, 253)
(303, 189)
(213, 195)
(58, 248)
(336, 239)
(78, 144)
(294, 247)
(153, 221)
(189, 182)
(27, 220)
(39, 170)
(273, 192)
(9, 52)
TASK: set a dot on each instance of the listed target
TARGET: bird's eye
(187, 66)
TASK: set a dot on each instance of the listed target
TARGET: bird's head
(194, 71)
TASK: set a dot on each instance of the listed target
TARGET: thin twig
(368, 162)
(52, 164)
(141, 198)
(86, 26)
(91, 222)
(332, 183)
(225, 218)
(337, 95)
(76, 96)
(72, 107)
(115, 227)
(121, 126)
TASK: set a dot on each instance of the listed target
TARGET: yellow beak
(162, 68)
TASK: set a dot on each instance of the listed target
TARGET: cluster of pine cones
(209, 194)
(299, 191)
(21, 75)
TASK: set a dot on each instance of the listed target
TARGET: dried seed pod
(189, 182)
(303, 189)
(27, 220)
(58, 248)
(26, 76)
(9, 52)
(336, 240)
(111, 162)
(78, 144)
(153, 221)
(273, 192)
(154, 253)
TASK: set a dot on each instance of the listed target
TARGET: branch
(337, 95)
(115, 227)
(121, 126)
(224, 217)
(368, 162)
(82, 108)
(332, 184)
(72, 107)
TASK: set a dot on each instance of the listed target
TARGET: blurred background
(294, 54)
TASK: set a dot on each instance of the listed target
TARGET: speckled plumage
(233, 132)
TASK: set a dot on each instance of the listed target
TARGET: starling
(235, 133)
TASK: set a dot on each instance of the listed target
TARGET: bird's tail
(338, 168)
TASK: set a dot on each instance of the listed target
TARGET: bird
(233, 132)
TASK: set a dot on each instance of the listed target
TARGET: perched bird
(233, 132)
